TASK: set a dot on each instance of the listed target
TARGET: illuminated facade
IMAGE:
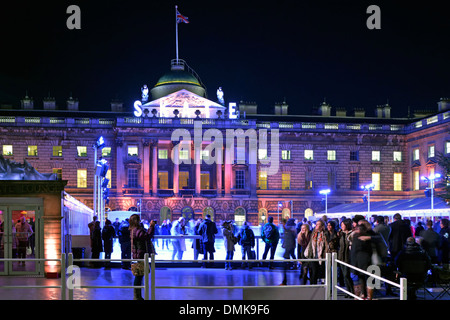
(327, 150)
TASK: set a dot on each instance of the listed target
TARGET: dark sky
(265, 51)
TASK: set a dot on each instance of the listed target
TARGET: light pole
(99, 145)
(368, 187)
(325, 192)
(431, 180)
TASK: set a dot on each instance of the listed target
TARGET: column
(197, 162)
(155, 168)
(176, 168)
(253, 179)
(228, 171)
(146, 165)
(119, 167)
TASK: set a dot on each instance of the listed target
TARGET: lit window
(205, 155)
(285, 181)
(204, 180)
(397, 156)
(7, 150)
(431, 150)
(397, 181)
(133, 151)
(57, 151)
(163, 180)
(82, 178)
(163, 154)
(447, 147)
(183, 180)
(376, 155)
(81, 151)
(32, 151)
(309, 180)
(58, 172)
(263, 180)
(184, 154)
(416, 180)
(416, 155)
(262, 154)
(309, 154)
(108, 176)
(240, 179)
(106, 152)
(376, 180)
(331, 155)
(285, 154)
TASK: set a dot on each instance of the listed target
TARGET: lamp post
(99, 145)
(368, 187)
(325, 192)
(431, 179)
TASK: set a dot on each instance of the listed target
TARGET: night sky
(266, 51)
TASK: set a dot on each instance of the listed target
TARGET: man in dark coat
(208, 231)
(430, 242)
(400, 231)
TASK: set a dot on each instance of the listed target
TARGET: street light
(431, 179)
(98, 145)
(368, 188)
(325, 192)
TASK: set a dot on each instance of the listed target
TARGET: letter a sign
(74, 21)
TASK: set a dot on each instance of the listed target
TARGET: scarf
(315, 249)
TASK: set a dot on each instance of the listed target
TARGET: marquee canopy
(417, 207)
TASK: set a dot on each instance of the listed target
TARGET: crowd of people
(397, 248)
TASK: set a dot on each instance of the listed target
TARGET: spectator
(413, 263)
(302, 240)
(96, 243)
(165, 231)
(332, 237)
(91, 226)
(400, 231)
(246, 239)
(270, 236)
(419, 229)
(316, 249)
(116, 226)
(178, 243)
(125, 243)
(387, 270)
(108, 234)
(208, 231)
(229, 240)
(289, 242)
(197, 243)
(430, 242)
(444, 245)
(23, 232)
(344, 252)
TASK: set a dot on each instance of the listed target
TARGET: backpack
(244, 236)
(269, 233)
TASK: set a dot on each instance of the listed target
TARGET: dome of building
(176, 79)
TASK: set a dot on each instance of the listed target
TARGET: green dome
(178, 77)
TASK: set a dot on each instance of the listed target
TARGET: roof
(178, 77)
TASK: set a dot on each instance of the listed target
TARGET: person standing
(208, 231)
(246, 239)
(316, 249)
(125, 243)
(445, 243)
(96, 243)
(270, 236)
(344, 252)
(400, 231)
(303, 239)
(229, 240)
(23, 233)
(178, 243)
(108, 234)
(165, 231)
(140, 237)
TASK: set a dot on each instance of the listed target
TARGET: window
(204, 180)
(184, 154)
(262, 154)
(397, 181)
(7, 150)
(332, 180)
(81, 151)
(205, 155)
(58, 172)
(132, 178)
(106, 152)
(354, 155)
(57, 151)
(309, 180)
(354, 180)
(108, 176)
(285, 181)
(240, 179)
(416, 156)
(82, 178)
(376, 156)
(133, 151)
(285, 154)
(309, 154)
(163, 154)
(331, 155)
(416, 180)
(32, 151)
(163, 180)
(183, 180)
(263, 180)
(431, 150)
(447, 147)
(397, 156)
(376, 180)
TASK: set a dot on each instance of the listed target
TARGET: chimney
(116, 106)
(379, 112)
(359, 112)
(248, 107)
(386, 111)
(341, 112)
(49, 103)
(325, 109)
(444, 104)
(72, 104)
(281, 108)
(27, 102)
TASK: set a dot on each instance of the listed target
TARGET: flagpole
(176, 30)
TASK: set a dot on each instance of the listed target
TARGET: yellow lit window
(183, 179)
(397, 181)
(376, 180)
(7, 150)
(309, 154)
(57, 151)
(263, 180)
(163, 180)
(285, 181)
(204, 180)
(82, 178)
(32, 151)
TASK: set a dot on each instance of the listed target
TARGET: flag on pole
(181, 18)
